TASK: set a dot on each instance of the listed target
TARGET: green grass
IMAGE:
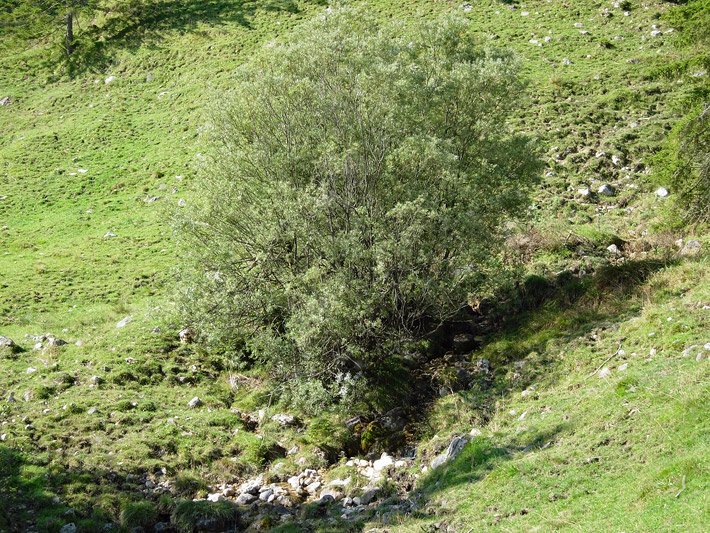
(623, 453)
(621, 94)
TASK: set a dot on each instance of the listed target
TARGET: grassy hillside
(92, 168)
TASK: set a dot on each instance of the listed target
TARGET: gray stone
(5, 101)
(691, 248)
(604, 373)
(607, 190)
(252, 486)
(613, 249)
(245, 499)
(662, 192)
(384, 462)
(6, 342)
(312, 488)
(285, 420)
(124, 322)
(186, 335)
(68, 528)
(369, 496)
(454, 449)
(194, 403)
(53, 341)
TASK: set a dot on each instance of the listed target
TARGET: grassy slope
(576, 451)
(135, 135)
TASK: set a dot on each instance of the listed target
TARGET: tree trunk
(70, 33)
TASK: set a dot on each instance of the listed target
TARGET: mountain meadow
(357, 266)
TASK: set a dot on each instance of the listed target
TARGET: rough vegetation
(571, 395)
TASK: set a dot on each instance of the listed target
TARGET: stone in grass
(68, 528)
(383, 463)
(285, 420)
(194, 403)
(604, 373)
(53, 341)
(606, 190)
(370, 495)
(454, 449)
(662, 192)
(691, 248)
(6, 342)
(124, 322)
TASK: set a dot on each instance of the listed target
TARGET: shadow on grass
(23, 492)
(136, 24)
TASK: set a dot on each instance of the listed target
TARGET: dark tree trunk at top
(70, 33)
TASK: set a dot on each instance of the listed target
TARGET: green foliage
(361, 179)
(188, 514)
(684, 164)
(138, 514)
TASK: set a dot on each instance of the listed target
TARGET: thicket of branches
(361, 180)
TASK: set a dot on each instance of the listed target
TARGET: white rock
(623, 367)
(194, 403)
(661, 192)
(109, 79)
(30, 370)
(604, 373)
(245, 499)
(385, 461)
(613, 249)
(313, 487)
(124, 322)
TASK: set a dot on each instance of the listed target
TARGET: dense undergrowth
(92, 168)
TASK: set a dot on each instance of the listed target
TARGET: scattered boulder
(68, 528)
(454, 449)
(369, 496)
(124, 322)
(194, 403)
(604, 373)
(613, 249)
(245, 499)
(252, 486)
(691, 248)
(187, 335)
(53, 341)
(5, 101)
(109, 79)
(662, 192)
(6, 342)
(383, 463)
(606, 190)
(285, 420)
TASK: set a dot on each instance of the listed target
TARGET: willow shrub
(361, 178)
